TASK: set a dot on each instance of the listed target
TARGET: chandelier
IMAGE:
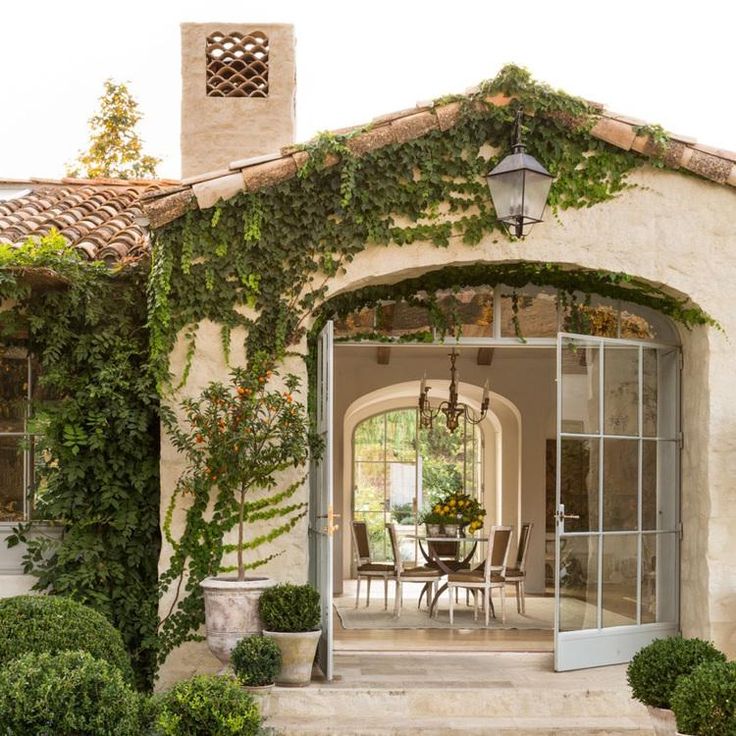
(451, 408)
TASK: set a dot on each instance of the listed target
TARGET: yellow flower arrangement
(457, 508)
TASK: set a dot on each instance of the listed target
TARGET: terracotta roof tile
(622, 131)
(100, 217)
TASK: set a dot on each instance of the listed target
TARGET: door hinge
(679, 530)
(680, 440)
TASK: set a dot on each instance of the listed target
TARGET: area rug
(539, 615)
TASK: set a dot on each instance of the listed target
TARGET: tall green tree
(115, 148)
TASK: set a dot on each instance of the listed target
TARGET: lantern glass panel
(535, 195)
(506, 192)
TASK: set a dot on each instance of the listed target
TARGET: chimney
(238, 93)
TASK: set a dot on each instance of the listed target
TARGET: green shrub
(45, 623)
(653, 672)
(206, 705)
(704, 701)
(290, 608)
(66, 694)
(256, 661)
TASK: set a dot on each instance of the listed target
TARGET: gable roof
(99, 217)
(203, 191)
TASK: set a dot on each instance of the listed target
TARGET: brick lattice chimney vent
(238, 93)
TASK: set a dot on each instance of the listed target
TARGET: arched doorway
(520, 328)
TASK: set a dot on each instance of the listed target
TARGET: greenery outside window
(399, 471)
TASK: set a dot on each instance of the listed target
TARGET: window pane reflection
(579, 483)
(620, 484)
(619, 580)
(580, 388)
(578, 583)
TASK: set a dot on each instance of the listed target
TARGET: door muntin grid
(618, 469)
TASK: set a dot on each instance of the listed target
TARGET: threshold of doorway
(442, 640)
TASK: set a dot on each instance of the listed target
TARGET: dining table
(431, 548)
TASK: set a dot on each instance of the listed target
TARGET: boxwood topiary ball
(653, 671)
(256, 661)
(66, 694)
(206, 705)
(290, 608)
(704, 702)
(44, 623)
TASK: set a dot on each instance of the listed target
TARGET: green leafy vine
(98, 412)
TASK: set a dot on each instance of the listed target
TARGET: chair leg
(368, 593)
(451, 606)
(519, 607)
(475, 603)
(397, 599)
(357, 592)
(385, 593)
(523, 596)
(503, 604)
(487, 593)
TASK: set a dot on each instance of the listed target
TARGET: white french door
(321, 514)
(617, 496)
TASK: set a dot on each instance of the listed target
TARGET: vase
(663, 721)
(451, 530)
(231, 612)
(297, 655)
(262, 695)
(433, 530)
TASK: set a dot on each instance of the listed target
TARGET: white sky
(659, 61)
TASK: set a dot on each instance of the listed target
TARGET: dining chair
(427, 575)
(365, 567)
(487, 576)
(517, 573)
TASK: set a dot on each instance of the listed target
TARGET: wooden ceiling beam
(485, 356)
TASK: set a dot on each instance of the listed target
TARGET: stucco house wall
(670, 230)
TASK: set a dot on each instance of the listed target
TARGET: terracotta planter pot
(297, 655)
(663, 721)
(231, 612)
(262, 696)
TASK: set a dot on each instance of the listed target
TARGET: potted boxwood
(256, 661)
(238, 440)
(704, 702)
(291, 617)
(655, 669)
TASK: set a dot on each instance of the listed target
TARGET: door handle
(330, 516)
(561, 515)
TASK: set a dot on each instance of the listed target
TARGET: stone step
(482, 702)
(377, 724)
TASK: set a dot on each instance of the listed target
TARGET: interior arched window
(399, 470)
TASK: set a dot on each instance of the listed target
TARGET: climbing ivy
(275, 249)
(422, 292)
(262, 260)
(98, 418)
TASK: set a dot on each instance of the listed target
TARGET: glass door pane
(617, 482)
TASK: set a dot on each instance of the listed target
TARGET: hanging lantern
(519, 187)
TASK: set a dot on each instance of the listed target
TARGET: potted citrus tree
(291, 617)
(239, 439)
(655, 670)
